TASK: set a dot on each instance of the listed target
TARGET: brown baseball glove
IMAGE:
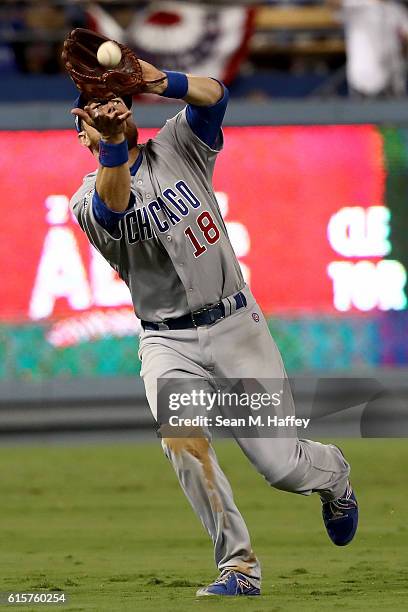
(95, 81)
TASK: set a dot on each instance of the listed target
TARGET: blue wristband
(112, 155)
(177, 84)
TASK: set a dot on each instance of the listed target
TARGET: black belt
(204, 316)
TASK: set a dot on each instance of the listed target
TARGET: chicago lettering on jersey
(163, 213)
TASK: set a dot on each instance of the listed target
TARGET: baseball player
(150, 210)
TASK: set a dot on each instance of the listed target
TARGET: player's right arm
(206, 99)
(113, 178)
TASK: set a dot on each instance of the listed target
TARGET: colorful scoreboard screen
(318, 218)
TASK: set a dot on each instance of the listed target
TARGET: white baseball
(109, 54)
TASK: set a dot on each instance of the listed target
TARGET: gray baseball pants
(239, 346)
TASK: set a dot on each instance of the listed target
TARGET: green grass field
(110, 526)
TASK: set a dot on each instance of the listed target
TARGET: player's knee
(280, 468)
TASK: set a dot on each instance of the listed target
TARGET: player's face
(90, 137)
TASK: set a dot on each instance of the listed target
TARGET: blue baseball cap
(81, 101)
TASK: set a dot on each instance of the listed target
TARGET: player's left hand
(129, 77)
(155, 79)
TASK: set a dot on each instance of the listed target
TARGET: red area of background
(283, 184)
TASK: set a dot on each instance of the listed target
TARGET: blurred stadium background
(313, 185)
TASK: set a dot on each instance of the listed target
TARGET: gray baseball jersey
(172, 248)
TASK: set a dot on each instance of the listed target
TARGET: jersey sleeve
(107, 218)
(206, 121)
(196, 132)
(105, 240)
